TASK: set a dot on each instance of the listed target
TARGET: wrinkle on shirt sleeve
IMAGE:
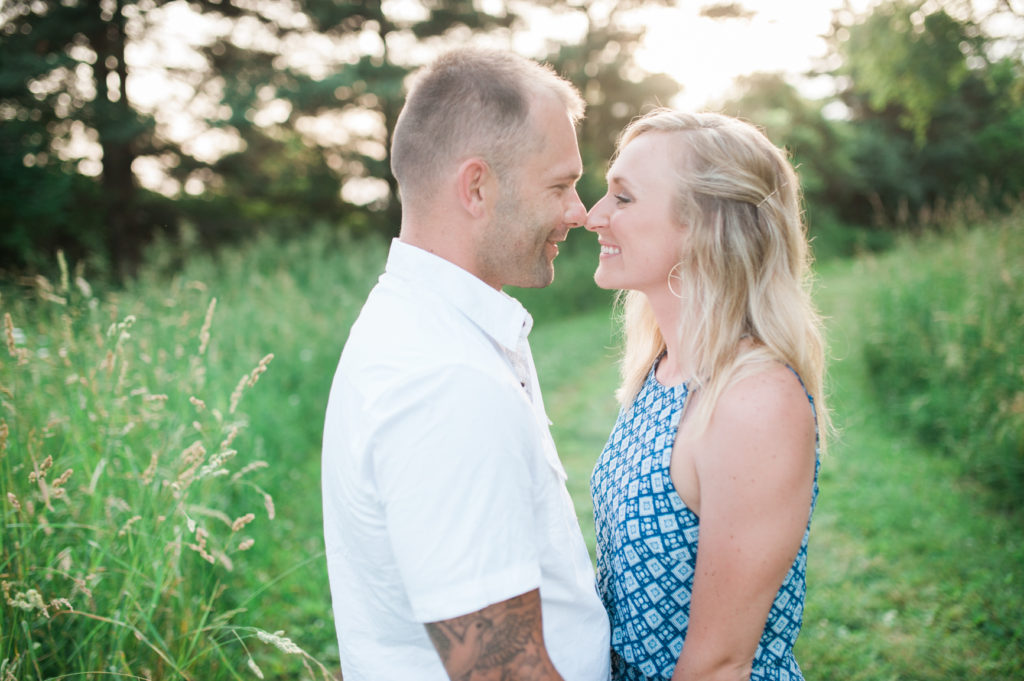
(452, 459)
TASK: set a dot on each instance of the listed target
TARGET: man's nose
(576, 215)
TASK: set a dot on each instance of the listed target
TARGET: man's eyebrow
(568, 176)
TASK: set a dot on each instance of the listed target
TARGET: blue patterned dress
(647, 549)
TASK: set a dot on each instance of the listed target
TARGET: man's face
(537, 206)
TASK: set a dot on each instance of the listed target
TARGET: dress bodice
(647, 549)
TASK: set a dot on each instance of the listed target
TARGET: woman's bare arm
(755, 471)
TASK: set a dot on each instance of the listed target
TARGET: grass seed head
(249, 380)
(63, 477)
(204, 333)
(64, 559)
(194, 453)
(148, 474)
(229, 438)
(29, 600)
(279, 641)
(9, 666)
(12, 347)
(255, 465)
(200, 546)
(39, 473)
(83, 286)
(81, 586)
(242, 521)
(251, 663)
(127, 526)
(236, 394)
(58, 603)
(63, 264)
(215, 467)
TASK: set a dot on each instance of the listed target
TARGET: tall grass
(944, 345)
(137, 500)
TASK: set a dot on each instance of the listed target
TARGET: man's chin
(541, 280)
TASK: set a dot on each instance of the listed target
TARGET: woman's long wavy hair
(745, 270)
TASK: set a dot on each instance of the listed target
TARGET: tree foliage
(908, 60)
(65, 75)
(286, 103)
(932, 107)
(283, 112)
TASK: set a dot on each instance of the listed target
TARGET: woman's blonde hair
(746, 268)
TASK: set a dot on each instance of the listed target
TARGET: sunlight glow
(705, 55)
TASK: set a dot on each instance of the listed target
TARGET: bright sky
(705, 55)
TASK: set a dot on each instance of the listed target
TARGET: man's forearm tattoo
(501, 641)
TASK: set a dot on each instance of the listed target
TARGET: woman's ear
(474, 185)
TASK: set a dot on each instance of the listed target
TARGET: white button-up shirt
(442, 489)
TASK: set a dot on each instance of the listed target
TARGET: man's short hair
(471, 102)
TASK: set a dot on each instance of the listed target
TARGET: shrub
(944, 338)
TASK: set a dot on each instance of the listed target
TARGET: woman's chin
(601, 282)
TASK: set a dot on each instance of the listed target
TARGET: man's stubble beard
(514, 248)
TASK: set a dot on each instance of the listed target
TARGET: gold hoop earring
(672, 275)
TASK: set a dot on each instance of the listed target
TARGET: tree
(64, 80)
(62, 75)
(931, 105)
(286, 103)
(903, 57)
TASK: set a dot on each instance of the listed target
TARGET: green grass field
(185, 542)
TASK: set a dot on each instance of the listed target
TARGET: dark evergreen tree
(63, 72)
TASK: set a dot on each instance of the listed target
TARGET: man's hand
(504, 641)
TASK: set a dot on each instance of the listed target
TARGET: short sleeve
(452, 463)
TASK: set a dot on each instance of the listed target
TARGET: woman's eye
(622, 198)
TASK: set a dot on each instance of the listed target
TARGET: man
(452, 546)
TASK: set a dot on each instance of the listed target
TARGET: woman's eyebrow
(617, 179)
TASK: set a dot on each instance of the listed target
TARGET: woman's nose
(596, 218)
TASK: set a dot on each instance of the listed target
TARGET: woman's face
(640, 236)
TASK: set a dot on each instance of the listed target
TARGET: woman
(704, 493)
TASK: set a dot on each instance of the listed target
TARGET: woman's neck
(676, 366)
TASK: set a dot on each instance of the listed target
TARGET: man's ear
(475, 186)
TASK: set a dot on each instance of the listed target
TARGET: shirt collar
(498, 314)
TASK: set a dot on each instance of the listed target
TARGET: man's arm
(504, 641)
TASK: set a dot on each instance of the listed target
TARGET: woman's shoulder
(767, 400)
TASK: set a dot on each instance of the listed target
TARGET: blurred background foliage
(276, 116)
